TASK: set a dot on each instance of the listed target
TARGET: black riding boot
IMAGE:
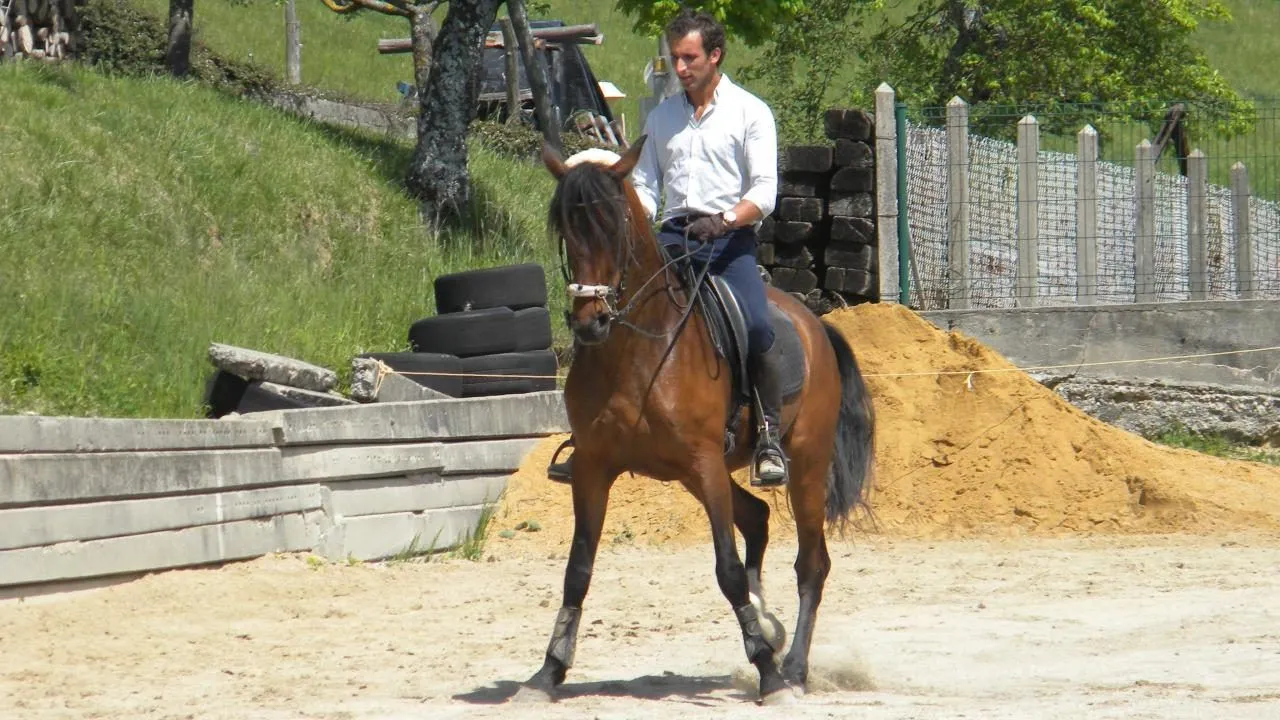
(766, 376)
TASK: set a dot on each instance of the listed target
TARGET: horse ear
(553, 161)
(623, 167)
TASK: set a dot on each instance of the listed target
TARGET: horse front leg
(591, 484)
(714, 489)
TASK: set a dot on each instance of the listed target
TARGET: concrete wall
(84, 498)
(1071, 335)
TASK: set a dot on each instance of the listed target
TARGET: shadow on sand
(696, 690)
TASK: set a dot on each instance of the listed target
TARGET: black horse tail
(849, 482)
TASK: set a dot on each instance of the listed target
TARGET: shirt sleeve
(645, 176)
(761, 147)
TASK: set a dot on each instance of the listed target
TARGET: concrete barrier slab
(83, 477)
(416, 493)
(356, 461)
(525, 415)
(34, 526)
(37, 434)
(485, 456)
(161, 550)
(377, 537)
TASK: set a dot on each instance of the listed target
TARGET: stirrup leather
(561, 471)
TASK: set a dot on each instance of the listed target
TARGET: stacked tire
(493, 330)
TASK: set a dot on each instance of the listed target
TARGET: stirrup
(767, 450)
(561, 472)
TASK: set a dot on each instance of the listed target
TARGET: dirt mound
(959, 453)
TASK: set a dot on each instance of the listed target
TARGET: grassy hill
(142, 220)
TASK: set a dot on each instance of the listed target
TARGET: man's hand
(706, 228)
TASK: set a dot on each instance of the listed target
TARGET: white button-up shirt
(707, 165)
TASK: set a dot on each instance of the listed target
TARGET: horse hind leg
(751, 517)
(813, 563)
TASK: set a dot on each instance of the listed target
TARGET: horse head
(596, 214)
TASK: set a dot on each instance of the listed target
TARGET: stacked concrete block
(93, 499)
(820, 241)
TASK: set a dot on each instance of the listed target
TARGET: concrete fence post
(1197, 217)
(887, 199)
(1028, 211)
(292, 44)
(1144, 242)
(1243, 236)
(1087, 216)
(958, 202)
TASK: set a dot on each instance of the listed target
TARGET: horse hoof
(531, 695)
(785, 696)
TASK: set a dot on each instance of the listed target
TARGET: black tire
(222, 393)
(449, 367)
(539, 365)
(511, 286)
(533, 329)
(466, 334)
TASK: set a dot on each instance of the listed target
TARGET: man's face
(692, 64)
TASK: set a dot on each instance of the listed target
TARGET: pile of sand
(960, 455)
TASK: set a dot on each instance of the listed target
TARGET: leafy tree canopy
(752, 21)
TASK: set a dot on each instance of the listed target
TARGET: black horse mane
(589, 209)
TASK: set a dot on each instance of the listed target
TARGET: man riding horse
(712, 155)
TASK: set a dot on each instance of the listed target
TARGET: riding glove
(706, 228)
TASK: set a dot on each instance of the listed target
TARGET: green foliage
(521, 142)
(159, 216)
(120, 38)
(1217, 445)
(1065, 56)
(803, 60)
(753, 21)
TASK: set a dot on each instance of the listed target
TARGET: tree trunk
(438, 170)
(537, 77)
(178, 54)
(422, 36)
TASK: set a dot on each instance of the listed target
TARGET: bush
(118, 38)
(522, 142)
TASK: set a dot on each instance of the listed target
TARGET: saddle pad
(788, 341)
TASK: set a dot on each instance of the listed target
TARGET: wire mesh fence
(1118, 211)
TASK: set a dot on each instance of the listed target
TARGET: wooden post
(509, 44)
(1087, 216)
(1144, 242)
(292, 45)
(958, 202)
(886, 168)
(1197, 217)
(536, 74)
(1028, 211)
(1243, 237)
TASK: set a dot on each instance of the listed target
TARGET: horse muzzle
(592, 329)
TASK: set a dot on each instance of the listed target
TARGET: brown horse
(649, 393)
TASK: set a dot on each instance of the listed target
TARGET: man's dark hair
(690, 21)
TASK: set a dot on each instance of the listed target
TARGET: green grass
(150, 218)
(1216, 445)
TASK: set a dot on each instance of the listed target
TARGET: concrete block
(311, 463)
(485, 456)
(376, 537)
(414, 493)
(37, 434)
(30, 527)
(80, 477)
(310, 397)
(393, 388)
(525, 415)
(161, 550)
(255, 365)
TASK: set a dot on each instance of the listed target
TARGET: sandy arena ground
(1029, 562)
(1153, 627)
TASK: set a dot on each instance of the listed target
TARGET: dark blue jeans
(733, 257)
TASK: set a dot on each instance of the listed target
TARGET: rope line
(384, 369)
